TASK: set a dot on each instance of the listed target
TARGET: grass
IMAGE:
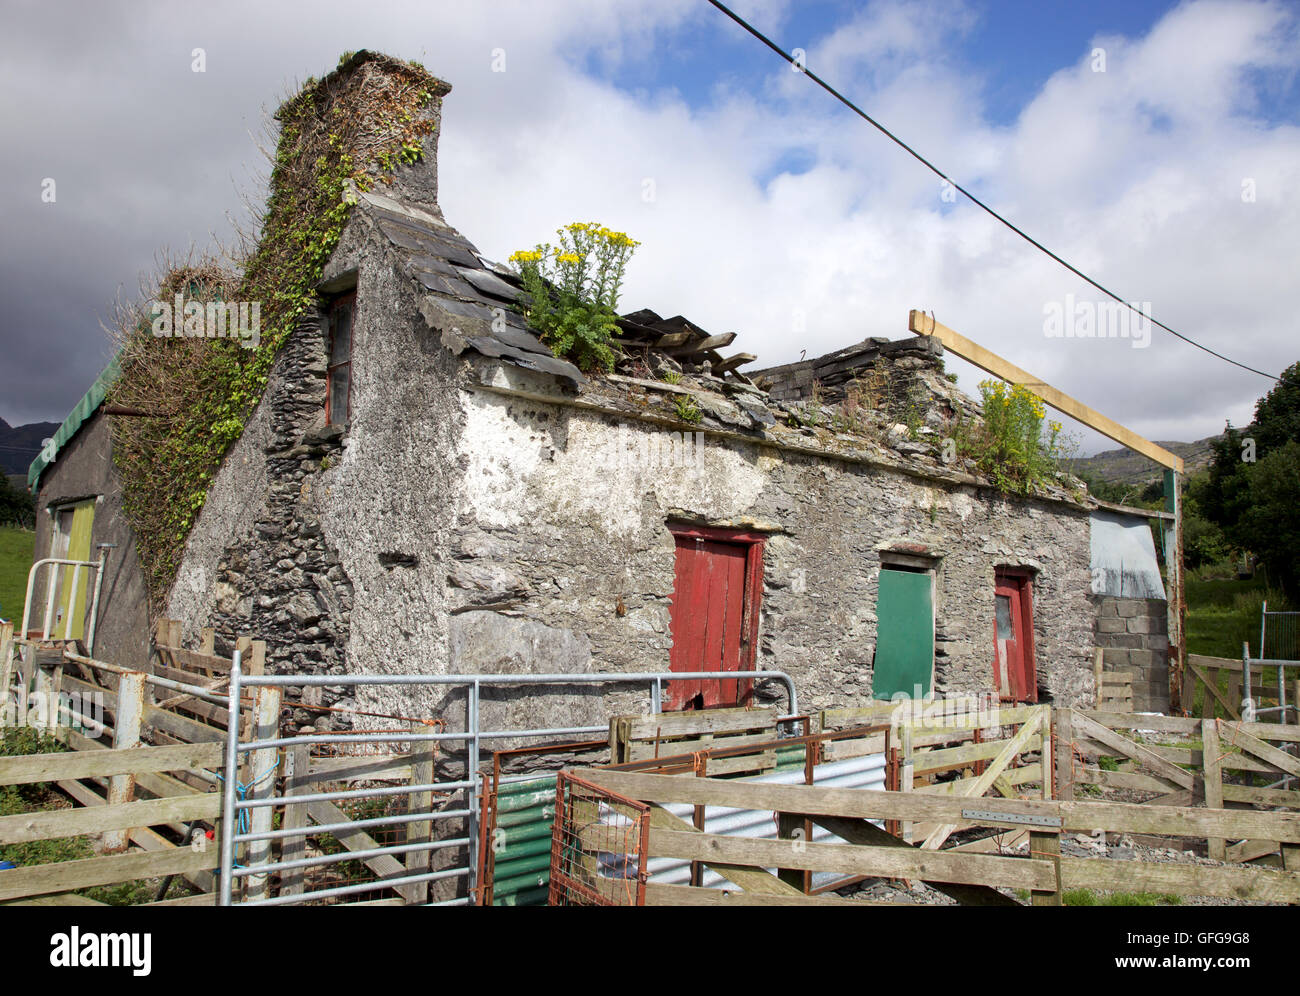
(42, 797)
(1222, 614)
(1086, 897)
(16, 546)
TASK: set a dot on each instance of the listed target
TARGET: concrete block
(1129, 607)
(1114, 658)
(1130, 641)
(1113, 624)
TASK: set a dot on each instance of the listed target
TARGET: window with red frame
(338, 398)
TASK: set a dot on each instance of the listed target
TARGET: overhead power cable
(803, 68)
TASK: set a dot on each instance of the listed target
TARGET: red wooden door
(1013, 645)
(708, 621)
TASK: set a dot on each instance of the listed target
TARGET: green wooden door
(904, 634)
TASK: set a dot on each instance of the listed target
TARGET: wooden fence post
(790, 826)
(261, 782)
(421, 832)
(297, 781)
(1064, 723)
(6, 670)
(126, 734)
(1213, 766)
(1045, 844)
(907, 773)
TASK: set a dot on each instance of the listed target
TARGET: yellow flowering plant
(1011, 446)
(572, 291)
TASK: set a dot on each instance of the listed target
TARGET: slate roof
(461, 281)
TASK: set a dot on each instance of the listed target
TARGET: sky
(1156, 146)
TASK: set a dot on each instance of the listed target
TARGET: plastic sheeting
(1125, 553)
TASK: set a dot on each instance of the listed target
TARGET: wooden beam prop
(985, 781)
(1166, 770)
(922, 324)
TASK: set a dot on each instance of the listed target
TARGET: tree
(17, 506)
(1277, 414)
(1270, 525)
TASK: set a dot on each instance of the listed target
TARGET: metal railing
(1248, 702)
(473, 737)
(1283, 634)
(52, 586)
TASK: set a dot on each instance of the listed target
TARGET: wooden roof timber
(922, 324)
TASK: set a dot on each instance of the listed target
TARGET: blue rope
(242, 790)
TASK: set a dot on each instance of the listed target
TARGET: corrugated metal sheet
(867, 772)
(1125, 553)
(526, 810)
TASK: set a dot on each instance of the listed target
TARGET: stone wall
(564, 516)
(1133, 635)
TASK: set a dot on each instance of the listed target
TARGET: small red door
(1013, 642)
(710, 619)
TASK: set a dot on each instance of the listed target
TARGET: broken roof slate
(465, 286)
(468, 298)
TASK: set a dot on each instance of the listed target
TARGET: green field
(16, 546)
(1223, 613)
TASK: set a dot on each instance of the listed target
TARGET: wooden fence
(132, 836)
(971, 878)
(1213, 762)
(1213, 687)
(144, 749)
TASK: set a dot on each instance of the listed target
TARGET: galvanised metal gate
(247, 807)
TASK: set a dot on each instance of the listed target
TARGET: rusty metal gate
(598, 848)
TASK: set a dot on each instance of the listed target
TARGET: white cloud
(1134, 174)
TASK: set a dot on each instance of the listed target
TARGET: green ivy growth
(348, 129)
(687, 409)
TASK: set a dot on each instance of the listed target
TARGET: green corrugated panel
(539, 880)
(522, 866)
(534, 897)
(790, 758)
(82, 411)
(532, 785)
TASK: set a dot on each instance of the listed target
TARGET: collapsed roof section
(880, 401)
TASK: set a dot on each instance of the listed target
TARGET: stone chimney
(377, 110)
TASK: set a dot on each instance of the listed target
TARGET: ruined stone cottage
(425, 487)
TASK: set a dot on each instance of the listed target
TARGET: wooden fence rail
(109, 820)
(1043, 872)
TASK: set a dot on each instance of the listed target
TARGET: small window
(338, 400)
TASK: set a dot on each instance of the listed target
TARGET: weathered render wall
(84, 469)
(1133, 633)
(565, 511)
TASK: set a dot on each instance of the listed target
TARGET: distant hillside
(1128, 468)
(20, 444)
